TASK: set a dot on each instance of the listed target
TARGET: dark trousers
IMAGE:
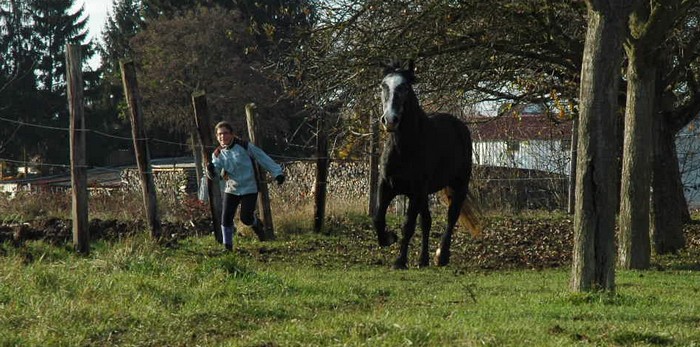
(231, 202)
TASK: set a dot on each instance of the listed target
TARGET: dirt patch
(60, 231)
(512, 242)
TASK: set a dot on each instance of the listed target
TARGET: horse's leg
(384, 197)
(409, 228)
(442, 256)
(425, 223)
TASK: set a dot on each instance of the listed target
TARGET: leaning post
(78, 169)
(133, 100)
(206, 142)
(263, 191)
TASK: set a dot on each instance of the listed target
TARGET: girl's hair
(224, 124)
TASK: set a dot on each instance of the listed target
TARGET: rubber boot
(227, 237)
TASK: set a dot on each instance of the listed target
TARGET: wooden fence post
(197, 155)
(572, 168)
(206, 143)
(321, 174)
(133, 100)
(263, 192)
(74, 84)
(373, 163)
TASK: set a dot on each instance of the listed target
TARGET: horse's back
(449, 134)
(450, 142)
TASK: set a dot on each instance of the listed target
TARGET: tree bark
(596, 176)
(634, 245)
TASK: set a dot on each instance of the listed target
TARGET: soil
(508, 242)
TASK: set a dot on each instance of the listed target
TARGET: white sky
(97, 10)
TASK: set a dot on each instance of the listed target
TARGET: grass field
(313, 290)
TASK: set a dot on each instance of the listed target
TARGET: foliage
(207, 49)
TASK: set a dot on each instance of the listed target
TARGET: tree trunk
(596, 176)
(668, 201)
(634, 245)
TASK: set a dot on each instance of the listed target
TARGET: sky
(97, 10)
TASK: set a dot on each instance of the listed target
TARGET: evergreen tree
(54, 26)
(121, 26)
(18, 83)
(32, 42)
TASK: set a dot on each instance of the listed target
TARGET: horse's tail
(470, 215)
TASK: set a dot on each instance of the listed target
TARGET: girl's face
(224, 136)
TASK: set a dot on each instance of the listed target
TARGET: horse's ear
(387, 68)
(411, 71)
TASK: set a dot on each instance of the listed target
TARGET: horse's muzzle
(389, 126)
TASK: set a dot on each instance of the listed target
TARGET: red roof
(519, 127)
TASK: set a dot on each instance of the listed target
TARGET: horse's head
(396, 90)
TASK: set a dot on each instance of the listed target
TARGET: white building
(538, 142)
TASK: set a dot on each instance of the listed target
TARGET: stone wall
(347, 181)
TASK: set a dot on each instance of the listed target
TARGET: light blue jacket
(236, 162)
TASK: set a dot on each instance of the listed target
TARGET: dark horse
(423, 155)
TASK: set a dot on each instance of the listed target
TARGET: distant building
(525, 141)
(535, 141)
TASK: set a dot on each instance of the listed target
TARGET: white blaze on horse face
(392, 100)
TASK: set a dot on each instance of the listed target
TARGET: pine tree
(32, 42)
(18, 91)
(121, 26)
(54, 27)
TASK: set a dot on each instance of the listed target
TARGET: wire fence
(506, 187)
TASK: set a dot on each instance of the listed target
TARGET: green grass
(313, 290)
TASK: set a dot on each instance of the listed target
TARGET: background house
(531, 140)
(525, 141)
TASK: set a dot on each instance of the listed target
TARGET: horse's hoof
(442, 258)
(424, 260)
(388, 239)
(400, 266)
